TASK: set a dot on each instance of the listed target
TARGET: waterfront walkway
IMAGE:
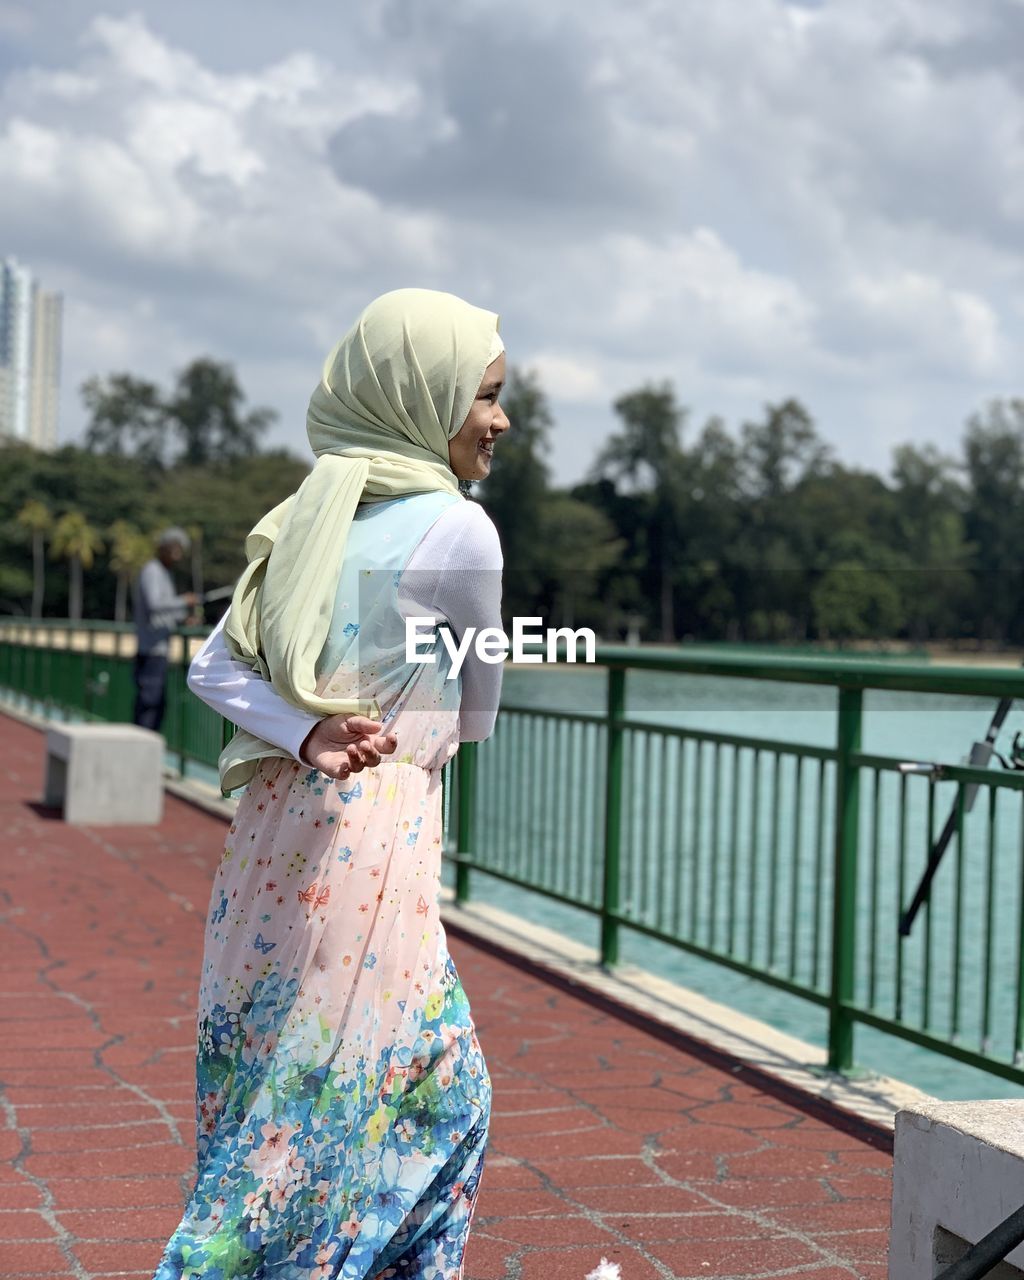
(605, 1140)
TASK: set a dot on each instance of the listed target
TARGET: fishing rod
(981, 754)
(218, 593)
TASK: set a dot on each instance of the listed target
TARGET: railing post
(613, 817)
(844, 881)
(89, 664)
(465, 828)
(183, 697)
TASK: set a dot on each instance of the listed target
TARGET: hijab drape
(394, 391)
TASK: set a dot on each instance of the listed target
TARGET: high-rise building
(30, 342)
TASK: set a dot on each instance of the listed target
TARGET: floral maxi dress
(343, 1100)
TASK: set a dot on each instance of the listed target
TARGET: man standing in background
(158, 610)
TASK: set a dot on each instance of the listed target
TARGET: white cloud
(697, 292)
(944, 326)
(756, 200)
(568, 378)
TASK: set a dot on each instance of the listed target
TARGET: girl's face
(470, 450)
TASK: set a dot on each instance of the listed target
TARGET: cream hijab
(394, 391)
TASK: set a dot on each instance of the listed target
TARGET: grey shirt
(158, 607)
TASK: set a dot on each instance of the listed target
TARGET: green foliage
(111, 492)
(516, 491)
(206, 410)
(710, 535)
(647, 452)
(76, 541)
(203, 415)
(581, 547)
(853, 602)
(152, 458)
(994, 515)
(126, 416)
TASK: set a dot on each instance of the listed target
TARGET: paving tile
(513, 1204)
(122, 1255)
(121, 1224)
(619, 1201)
(112, 1193)
(858, 1246)
(24, 1224)
(60, 1141)
(487, 1259)
(755, 1257)
(552, 1264)
(764, 1193)
(20, 1194)
(31, 1259)
(600, 1171)
(851, 1214)
(564, 1229)
(605, 1140)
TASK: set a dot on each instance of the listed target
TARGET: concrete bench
(958, 1171)
(105, 774)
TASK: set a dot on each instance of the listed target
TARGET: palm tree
(35, 516)
(195, 533)
(75, 540)
(129, 551)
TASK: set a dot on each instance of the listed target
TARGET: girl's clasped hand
(341, 745)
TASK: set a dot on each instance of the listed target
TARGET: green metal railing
(788, 862)
(83, 670)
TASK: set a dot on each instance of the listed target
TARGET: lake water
(907, 726)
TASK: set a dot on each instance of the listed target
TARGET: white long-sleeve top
(454, 574)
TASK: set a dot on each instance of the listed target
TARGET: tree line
(758, 534)
(762, 534)
(83, 519)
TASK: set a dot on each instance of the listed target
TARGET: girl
(343, 1100)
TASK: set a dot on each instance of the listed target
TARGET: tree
(127, 415)
(206, 410)
(129, 551)
(929, 503)
(204, 413)
(647, 453)
(708, 571)
(581, 544)
(76, 541)
(994, 515)
(36, 518)
(780, 451)
(516, 492)
(853, 602)
(651, 423)
(225, 501)
(780, 457)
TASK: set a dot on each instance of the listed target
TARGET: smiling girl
(343, 1100)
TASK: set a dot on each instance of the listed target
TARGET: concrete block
(105, 774)
(958, 1171)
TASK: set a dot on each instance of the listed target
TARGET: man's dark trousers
(150, 689)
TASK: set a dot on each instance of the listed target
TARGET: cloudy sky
(753, 198)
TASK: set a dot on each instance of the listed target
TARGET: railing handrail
(91, 624)
(832, 671)
(32, 661)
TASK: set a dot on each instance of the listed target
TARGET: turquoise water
(906, 726)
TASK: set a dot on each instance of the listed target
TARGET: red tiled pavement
(605, 1140)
